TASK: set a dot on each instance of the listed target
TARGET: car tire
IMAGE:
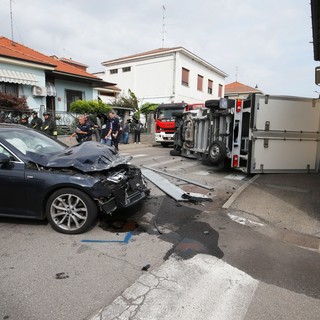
(71, 211)
(217, 152)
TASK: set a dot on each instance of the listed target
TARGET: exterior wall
(190, 93)
(158, 79)
(151, 80)
(62, 85)
(38, 103)
(26, 90)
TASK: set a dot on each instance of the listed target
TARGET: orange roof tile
(11, 49)
(238, 87)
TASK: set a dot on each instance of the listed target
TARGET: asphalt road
(47, 275)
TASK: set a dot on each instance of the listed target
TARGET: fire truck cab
(165, 115)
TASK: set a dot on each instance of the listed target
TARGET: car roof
(4, 125)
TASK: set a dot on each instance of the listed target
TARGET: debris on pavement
(146, 267)
(205, 186)
(172, 190)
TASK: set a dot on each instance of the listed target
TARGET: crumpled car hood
(86, 157)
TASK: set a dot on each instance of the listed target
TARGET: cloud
(268, 43)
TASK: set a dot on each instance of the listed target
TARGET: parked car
(40, 177)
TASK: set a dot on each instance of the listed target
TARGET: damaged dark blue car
(40, 177)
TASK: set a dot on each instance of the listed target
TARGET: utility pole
(11, 20)
(163, 24)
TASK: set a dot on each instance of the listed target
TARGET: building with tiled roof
(48, 82)
(239, 90)
(166, 75)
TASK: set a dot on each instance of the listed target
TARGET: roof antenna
(236, 73)
(11, 21)
(163, 24)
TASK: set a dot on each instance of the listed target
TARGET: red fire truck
(165, 120)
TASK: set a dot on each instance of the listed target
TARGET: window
(185, 77)
(200, 83)
(210, 86)
(72, 96)
(10, 88)
(113, 71)
(126, 69)
(220, 90)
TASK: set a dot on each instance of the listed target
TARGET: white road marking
(203, 286)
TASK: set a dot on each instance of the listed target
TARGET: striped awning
(18, 77)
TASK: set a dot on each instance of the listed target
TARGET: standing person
(36, 122)
(126, 130)
(115, 129)
(49, 125)
(93, 126)
(106, 131)
(137, 131)
(24, 120)
(83, 130)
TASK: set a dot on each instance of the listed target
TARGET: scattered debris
(156, 226)
(171, 189)
(146, 267)
(180, 178)
(118, 225)
(62, 275)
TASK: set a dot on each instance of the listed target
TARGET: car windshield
(31, 141)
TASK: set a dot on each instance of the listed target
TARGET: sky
(265, 43)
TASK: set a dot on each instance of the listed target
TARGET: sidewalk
(287, 206)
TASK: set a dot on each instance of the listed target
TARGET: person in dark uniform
(36, 122)
(24, 120)
(106, 130)
(49, 125)
(115, 129)
(83, 130)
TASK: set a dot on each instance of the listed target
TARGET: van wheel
(217, 152)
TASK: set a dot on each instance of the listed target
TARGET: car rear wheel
(217, 152)
(71, 211)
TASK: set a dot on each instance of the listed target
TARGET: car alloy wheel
(71, 211)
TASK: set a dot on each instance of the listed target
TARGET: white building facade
(166, 75)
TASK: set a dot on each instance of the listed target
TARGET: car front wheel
(71, 211)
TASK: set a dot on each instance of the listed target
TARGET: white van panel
(287, 113)
(284, 156)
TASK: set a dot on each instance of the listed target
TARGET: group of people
(48, 125)
(110, 130)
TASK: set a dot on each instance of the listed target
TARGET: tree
(89, 107)
(12, 107)
(129, 102)
(148, 107)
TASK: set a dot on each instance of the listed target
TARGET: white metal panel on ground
(287, 113)
(284, 156)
